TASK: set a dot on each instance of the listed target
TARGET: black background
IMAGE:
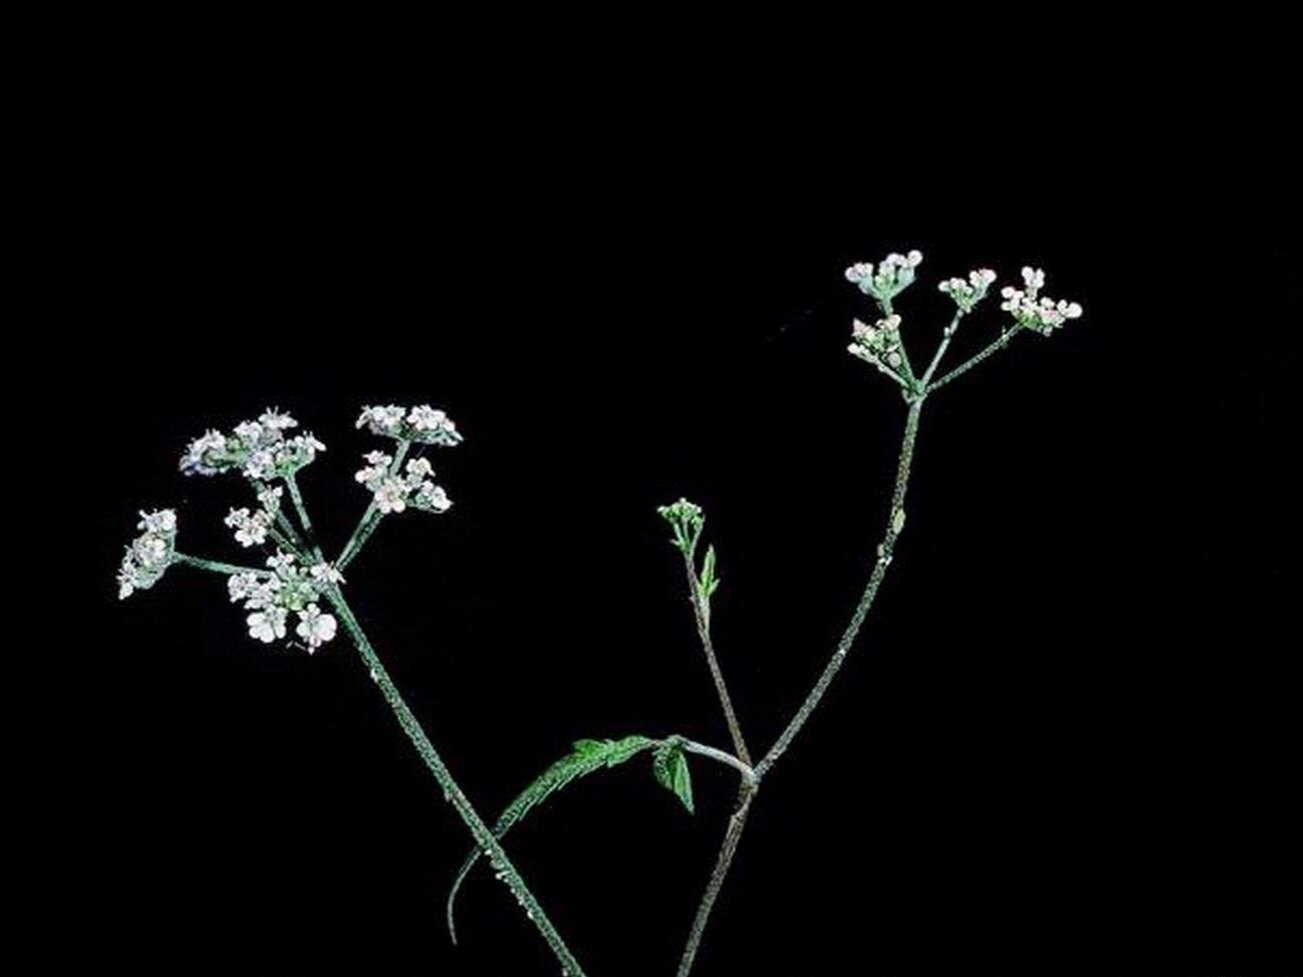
(1068, 734)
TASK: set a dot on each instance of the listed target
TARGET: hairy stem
(480, 831)
(737, 823)
(216, 566)
(895, 523)
(302, 510)
(701, 613)
(727, 849)
(968, 364)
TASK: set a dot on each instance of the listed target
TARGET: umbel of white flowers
(1045, 315)
(294, 582)
(150, 553)
(880, 343)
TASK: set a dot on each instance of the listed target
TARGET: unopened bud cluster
(1043, 315)
(891, 277)
(967, 294)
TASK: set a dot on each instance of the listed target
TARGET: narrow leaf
(708, 582)
(682, 780)
(586, 757)
(670, 765)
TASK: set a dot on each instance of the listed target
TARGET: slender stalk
(286, 542)
(968, 364)
(727, 849)
(481, 832)
(701, 613)
(895, 522)
(371, 517)
(216, 566)
(948, 335)
(302, 510)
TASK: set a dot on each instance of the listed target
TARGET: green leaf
(709, 582)
(588, 756)
(670, 765)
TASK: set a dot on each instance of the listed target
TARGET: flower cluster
(687, 519)
(967, 294)
(251, 528)
(260, 449)
(272, 595)
(422, 424)
(879, 344)
(394, 492)
(894, 274)
(150, 553)
(1044, 315)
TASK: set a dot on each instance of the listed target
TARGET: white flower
(201, 457)
(324, 574)
(126, 578)
(391, 496)
(315, 627)
(376, 469)
(426, 418)
(282, 563)
(250, 432)
(274, 420)
(250, 528)
(270, 499)
(418, 469)
(258, 466)
(242, 586)
(382, 420)
(150, 553)
(267, 624)
(160, 522)
(1034, 279)
(432, 498)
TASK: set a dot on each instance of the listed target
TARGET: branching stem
(737, 823)
(968, 364)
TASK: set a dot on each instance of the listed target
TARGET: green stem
(948, 335)
(216, 566)
(701, 614)
(481, 832)
(967, 365)
(309, 535)
(894, 526)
